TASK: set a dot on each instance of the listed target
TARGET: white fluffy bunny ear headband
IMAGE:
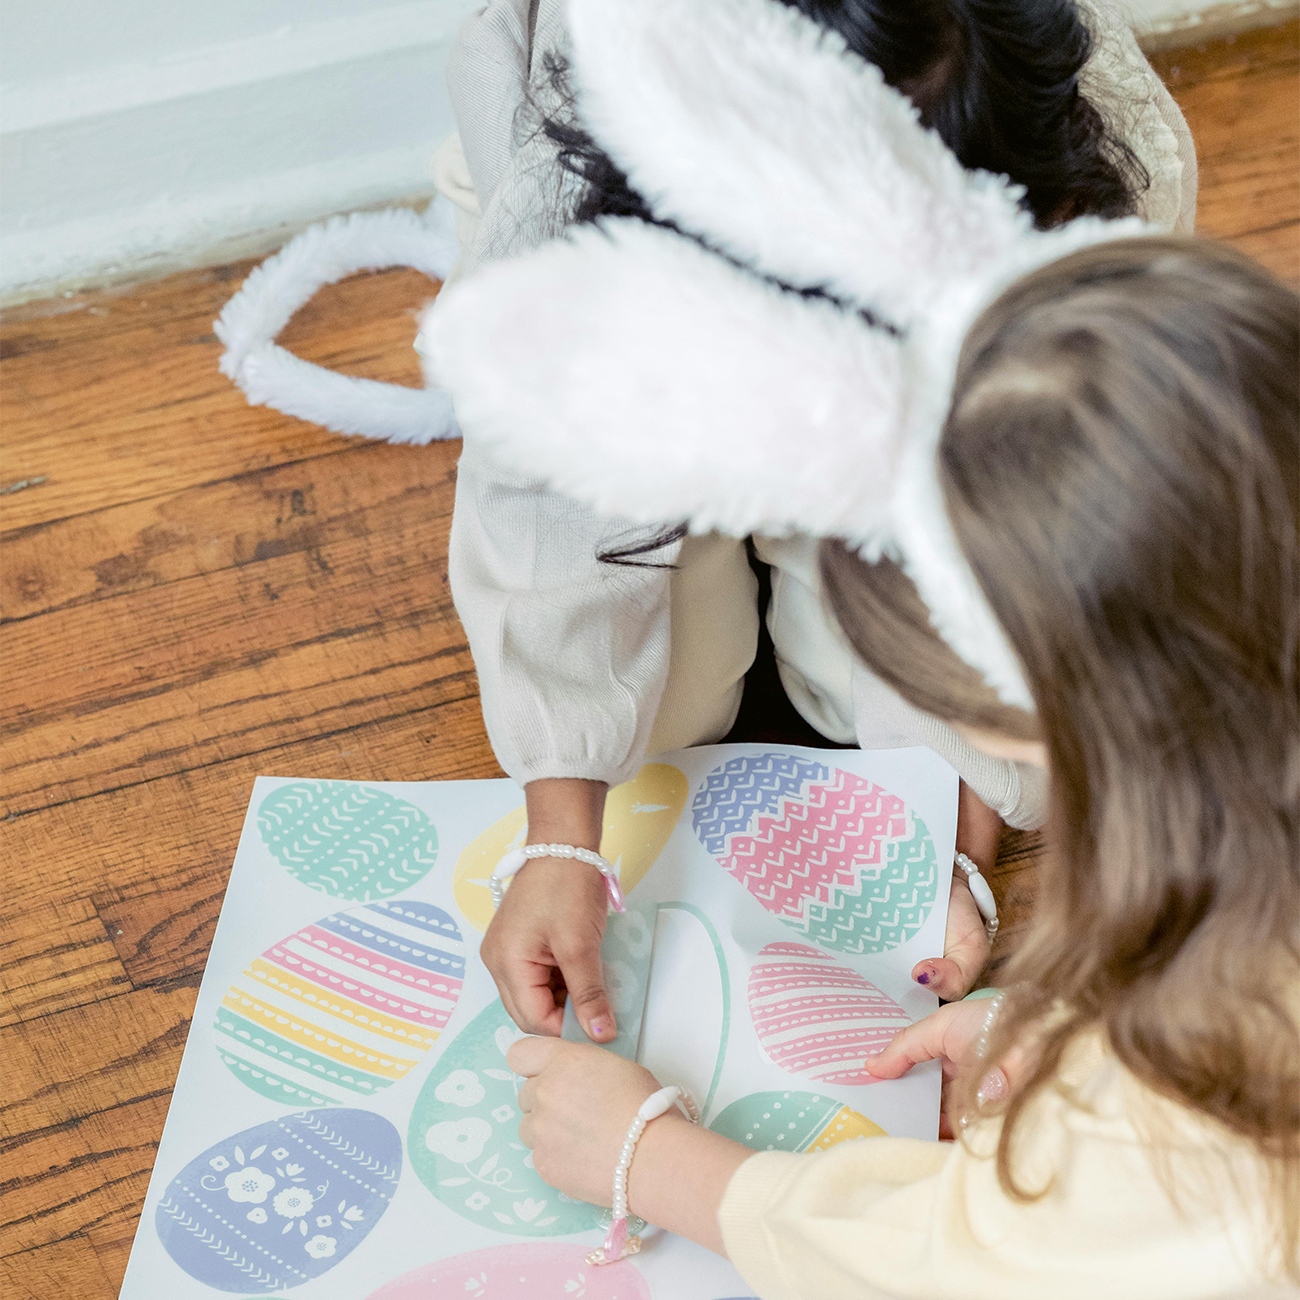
(632, 368)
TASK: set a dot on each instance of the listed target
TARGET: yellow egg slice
(639, 817)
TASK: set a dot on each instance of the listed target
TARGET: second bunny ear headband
(635, 369)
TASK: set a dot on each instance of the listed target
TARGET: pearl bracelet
(511, 863)
(618, 1245)
(980, 892)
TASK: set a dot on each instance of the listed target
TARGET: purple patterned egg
(278, 1205)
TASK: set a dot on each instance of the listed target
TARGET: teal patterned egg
(347, 840)
(464, 1145)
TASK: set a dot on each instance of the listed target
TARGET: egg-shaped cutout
(836, 857)
(280, 1204)
(347, 840)
(639, 817)
(463, 1140)
(526, 1271)
(816, 1018)
(792, 1121)
(345, 1007)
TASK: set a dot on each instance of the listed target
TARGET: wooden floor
(195, 592)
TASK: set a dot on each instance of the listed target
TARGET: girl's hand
(965, 944)
(951, 1036)
(543, 945)
(577, 1103)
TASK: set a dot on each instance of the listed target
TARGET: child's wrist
(679, 1175)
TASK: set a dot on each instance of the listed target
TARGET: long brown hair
(1121, 464)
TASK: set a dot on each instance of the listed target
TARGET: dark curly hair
(997, 79)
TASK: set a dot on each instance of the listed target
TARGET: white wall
(148, 134)
(140, 136)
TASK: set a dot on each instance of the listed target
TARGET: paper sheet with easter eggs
(344, 1124)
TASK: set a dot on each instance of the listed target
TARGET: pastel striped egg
(792, 1121)
(817, 1018)
(345, 1007)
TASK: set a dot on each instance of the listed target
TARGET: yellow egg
(639, 817)
(846, 1125)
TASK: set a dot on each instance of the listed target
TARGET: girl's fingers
(530, 1056)
(525, 1097)
(922, 1041)
(942, 976)
(965, 948)
(525, 988)
(584, 978)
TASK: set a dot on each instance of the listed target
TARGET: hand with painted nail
(543, 946)
(950, 1036)
(965, 943)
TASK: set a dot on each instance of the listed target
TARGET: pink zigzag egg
(816, 1018)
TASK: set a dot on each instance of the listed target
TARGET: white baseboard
(225, 152)
(1176, 27)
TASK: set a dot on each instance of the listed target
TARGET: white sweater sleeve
(1137, 108)
(572, 653)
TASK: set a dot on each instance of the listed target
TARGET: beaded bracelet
(980, 892)
(511, 863)
(618, 1245)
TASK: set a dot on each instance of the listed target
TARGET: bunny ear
(672, 385)
(746, 122)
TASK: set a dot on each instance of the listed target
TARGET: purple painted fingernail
(599, 1028)
(923, 977)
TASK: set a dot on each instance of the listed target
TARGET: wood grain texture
(200, 591)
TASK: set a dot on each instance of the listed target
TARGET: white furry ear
(631, 368)
(747, 123)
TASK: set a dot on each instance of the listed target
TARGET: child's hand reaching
(544, 943)
(578, 1101)
(965, 943)
(950, 1035)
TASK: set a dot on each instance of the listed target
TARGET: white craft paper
(339, 1195)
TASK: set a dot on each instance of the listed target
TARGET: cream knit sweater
(584, 668)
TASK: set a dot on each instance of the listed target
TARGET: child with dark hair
(1057, 478)
(587, 664)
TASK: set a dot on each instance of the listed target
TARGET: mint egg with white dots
(792, 1121)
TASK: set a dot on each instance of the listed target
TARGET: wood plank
(248, 518)
(1242, 103)
(65, 1067)
(139, 393)
(70, 1267)
(67, 1180)
(56, 951)
(1266, 49)
(227, 663)
(157, 896)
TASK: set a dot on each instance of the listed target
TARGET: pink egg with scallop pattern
(528, 1271)
(817, 1018)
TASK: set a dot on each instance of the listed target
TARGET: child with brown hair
(1084, 549)
(1121, 466)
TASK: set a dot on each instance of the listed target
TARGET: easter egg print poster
(345, 1121)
